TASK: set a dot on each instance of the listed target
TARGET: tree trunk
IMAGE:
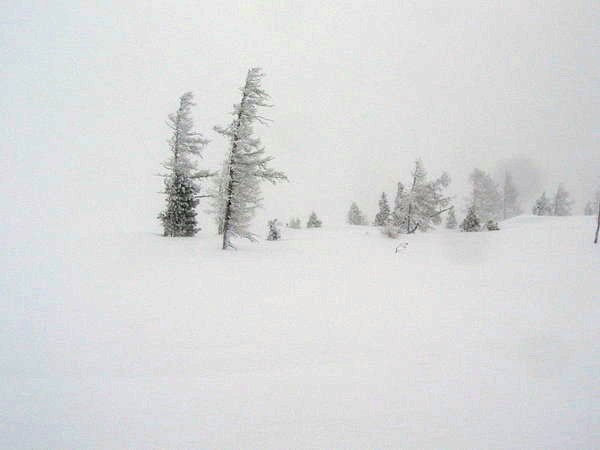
(228, 192)
(227, 214)
(597, 226)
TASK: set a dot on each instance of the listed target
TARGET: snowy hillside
(326, 339)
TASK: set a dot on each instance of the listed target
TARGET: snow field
(326, 339)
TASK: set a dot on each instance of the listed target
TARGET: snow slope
(327, 339)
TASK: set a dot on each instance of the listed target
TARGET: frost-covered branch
(237, 189)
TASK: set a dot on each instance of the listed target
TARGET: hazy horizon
(360, 90)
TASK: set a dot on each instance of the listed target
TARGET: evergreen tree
(439, 200)
(562, 204)
(485, 197)
(510, 203)
(274, 232)
(397, 216)
(420, 206)
(313, 221)
(238, 191)
(471, 222)
(542, 206)
(181, 188)
(179, 217)
(355, 216)
(382, 217)
(295, 223)
(451, 220)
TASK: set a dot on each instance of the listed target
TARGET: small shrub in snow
(471, 222)
(274, 232)
(492, 225)
(313, 221)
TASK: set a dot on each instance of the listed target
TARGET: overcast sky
(360, 89)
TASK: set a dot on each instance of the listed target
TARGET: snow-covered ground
(327, 339)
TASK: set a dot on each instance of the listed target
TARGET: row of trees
(312, 222)
(416, 206)
(236, 192)
(419, 204)
(236, 188)
(559, 205)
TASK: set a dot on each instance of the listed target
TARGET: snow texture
(329, 339)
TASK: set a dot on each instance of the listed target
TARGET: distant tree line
(419, 204)
(235, 193)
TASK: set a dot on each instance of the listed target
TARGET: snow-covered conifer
(562, 204)
(313, 221)
(238, 190)
(440, 201)
(274, 232)
(181, 188)
(451, 220)
(485, 196)
(396, 216)
(420, 206)
(295, 223)
(510, 203)
(383, 215)
(542, 206)
(179, 216)
(355, 216)
(471, 222)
